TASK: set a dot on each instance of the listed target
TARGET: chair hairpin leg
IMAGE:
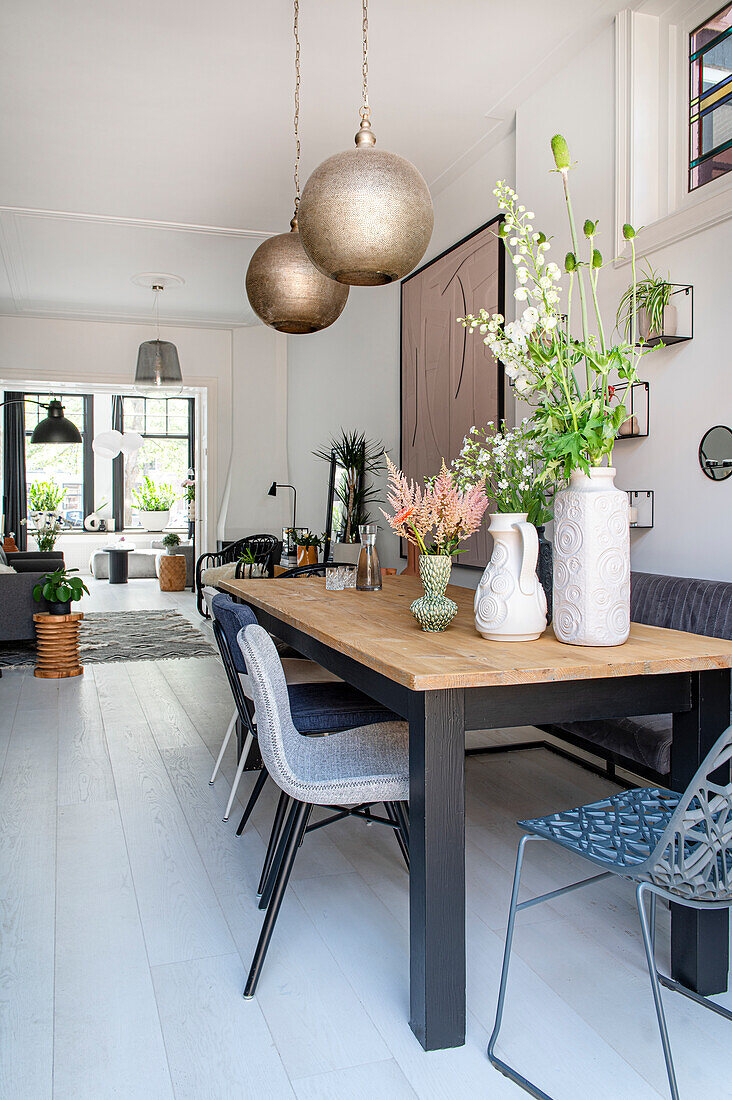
(283, 805)
(239, 769)
(294, 831)
(648, 940)
(257, 790)
(222, 750)
(402, 831)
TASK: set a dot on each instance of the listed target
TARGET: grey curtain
(118, 468)
(14, 499)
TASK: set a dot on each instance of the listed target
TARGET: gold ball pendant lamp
(287, 292)
(366, 215)
(284, 289)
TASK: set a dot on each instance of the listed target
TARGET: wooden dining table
(445, 684)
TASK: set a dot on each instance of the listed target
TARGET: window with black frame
(60, 476)
(166, 426)
(710, 99)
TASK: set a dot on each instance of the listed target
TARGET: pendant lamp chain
(296, 31)
(365, 111)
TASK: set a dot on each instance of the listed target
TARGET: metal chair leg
(261, 780)
(501, 1066)
(282, 807)
(239, 769)
(640, 891)
(294, 831)
(222, 750)
(400, 813)
(270, 880)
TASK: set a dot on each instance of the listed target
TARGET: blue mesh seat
(674, 846)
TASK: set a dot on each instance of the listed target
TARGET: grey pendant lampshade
(158, 368)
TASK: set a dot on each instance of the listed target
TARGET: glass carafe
(368, 578)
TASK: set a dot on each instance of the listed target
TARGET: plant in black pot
(59, 589)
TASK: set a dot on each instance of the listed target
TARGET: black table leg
(437, 867)
(700, 941)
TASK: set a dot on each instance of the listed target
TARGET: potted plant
(437, 519)
(171, 542)
(45, 496)
(578, 408)
(655, 317)
(45, 528)
(154, 502)
(59, 589)
(358, 461)
(249, 564)
(189, 494)
(308, 545)
(507, 462)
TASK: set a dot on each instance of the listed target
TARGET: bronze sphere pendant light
(366, 215)
(284, 289)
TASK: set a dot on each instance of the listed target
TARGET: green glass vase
(434, 611)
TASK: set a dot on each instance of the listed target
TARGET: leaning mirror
(715, 453)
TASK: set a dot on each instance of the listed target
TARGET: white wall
(242, 374)
(690, 384)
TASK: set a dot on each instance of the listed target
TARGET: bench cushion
(676, 603)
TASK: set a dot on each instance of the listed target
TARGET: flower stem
(580, 283)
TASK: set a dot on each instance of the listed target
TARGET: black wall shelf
(638, 406)
(642, 500)
(682, 296)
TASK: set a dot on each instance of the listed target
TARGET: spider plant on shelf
(655, 316)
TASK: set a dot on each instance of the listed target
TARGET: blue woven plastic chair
(673, 846)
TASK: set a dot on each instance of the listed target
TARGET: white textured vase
(592, 560)
(510, 605)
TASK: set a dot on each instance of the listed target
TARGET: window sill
(695, 216)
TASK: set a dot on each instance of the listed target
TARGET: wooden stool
(58, 646)
(172, 572)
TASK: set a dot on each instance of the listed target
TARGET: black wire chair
(309, 570)
(265, 549)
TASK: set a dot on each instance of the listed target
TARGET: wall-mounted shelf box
(637, 404)
(641, 509)
(682, 297)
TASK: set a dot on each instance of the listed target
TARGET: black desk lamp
(272, 492)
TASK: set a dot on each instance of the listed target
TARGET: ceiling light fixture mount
(284, 289)
(366, 215)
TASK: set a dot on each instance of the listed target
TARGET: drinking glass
(334, 579)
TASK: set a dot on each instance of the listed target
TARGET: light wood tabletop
(377, 630)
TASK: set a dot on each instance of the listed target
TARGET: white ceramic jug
(510, 605)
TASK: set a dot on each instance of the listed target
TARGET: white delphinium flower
(521, 294)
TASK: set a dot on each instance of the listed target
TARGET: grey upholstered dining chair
(357, 767)
(674, 846)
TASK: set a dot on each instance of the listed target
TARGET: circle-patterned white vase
(510, 605)
(592, 560)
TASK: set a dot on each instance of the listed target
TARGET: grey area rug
(124, 636)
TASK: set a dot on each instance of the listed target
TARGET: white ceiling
(157, 136)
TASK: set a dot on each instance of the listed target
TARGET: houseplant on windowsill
(59, 589)
(511, 600)
(45, 527)
(437, 519)
(358, 461)
(154, 503)
(571, 382)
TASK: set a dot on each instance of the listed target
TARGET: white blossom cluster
(506, 460)
(537, 278)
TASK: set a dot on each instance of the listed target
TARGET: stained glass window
(710, 87)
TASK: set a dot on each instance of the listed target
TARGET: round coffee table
(118, 562)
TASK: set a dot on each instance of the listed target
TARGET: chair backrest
(693, 857)
(264, 549)
(283, 749)
(229, 619)
(308, 570)
(682, 603)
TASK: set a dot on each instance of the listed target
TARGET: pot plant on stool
(57, 629)
(578, 410)
(436, 519)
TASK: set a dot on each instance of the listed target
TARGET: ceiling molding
(107, 317)
(108, 219)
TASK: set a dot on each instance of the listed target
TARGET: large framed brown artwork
(450, 381)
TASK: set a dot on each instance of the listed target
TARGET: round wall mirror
(715, 453)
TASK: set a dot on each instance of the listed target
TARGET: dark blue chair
(320, 704)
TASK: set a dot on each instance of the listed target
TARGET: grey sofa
(643, 743)
(17, 606)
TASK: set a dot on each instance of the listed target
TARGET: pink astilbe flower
(440, 514)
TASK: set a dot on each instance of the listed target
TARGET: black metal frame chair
(267, 550)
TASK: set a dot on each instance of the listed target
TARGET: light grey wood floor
(128, 919)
